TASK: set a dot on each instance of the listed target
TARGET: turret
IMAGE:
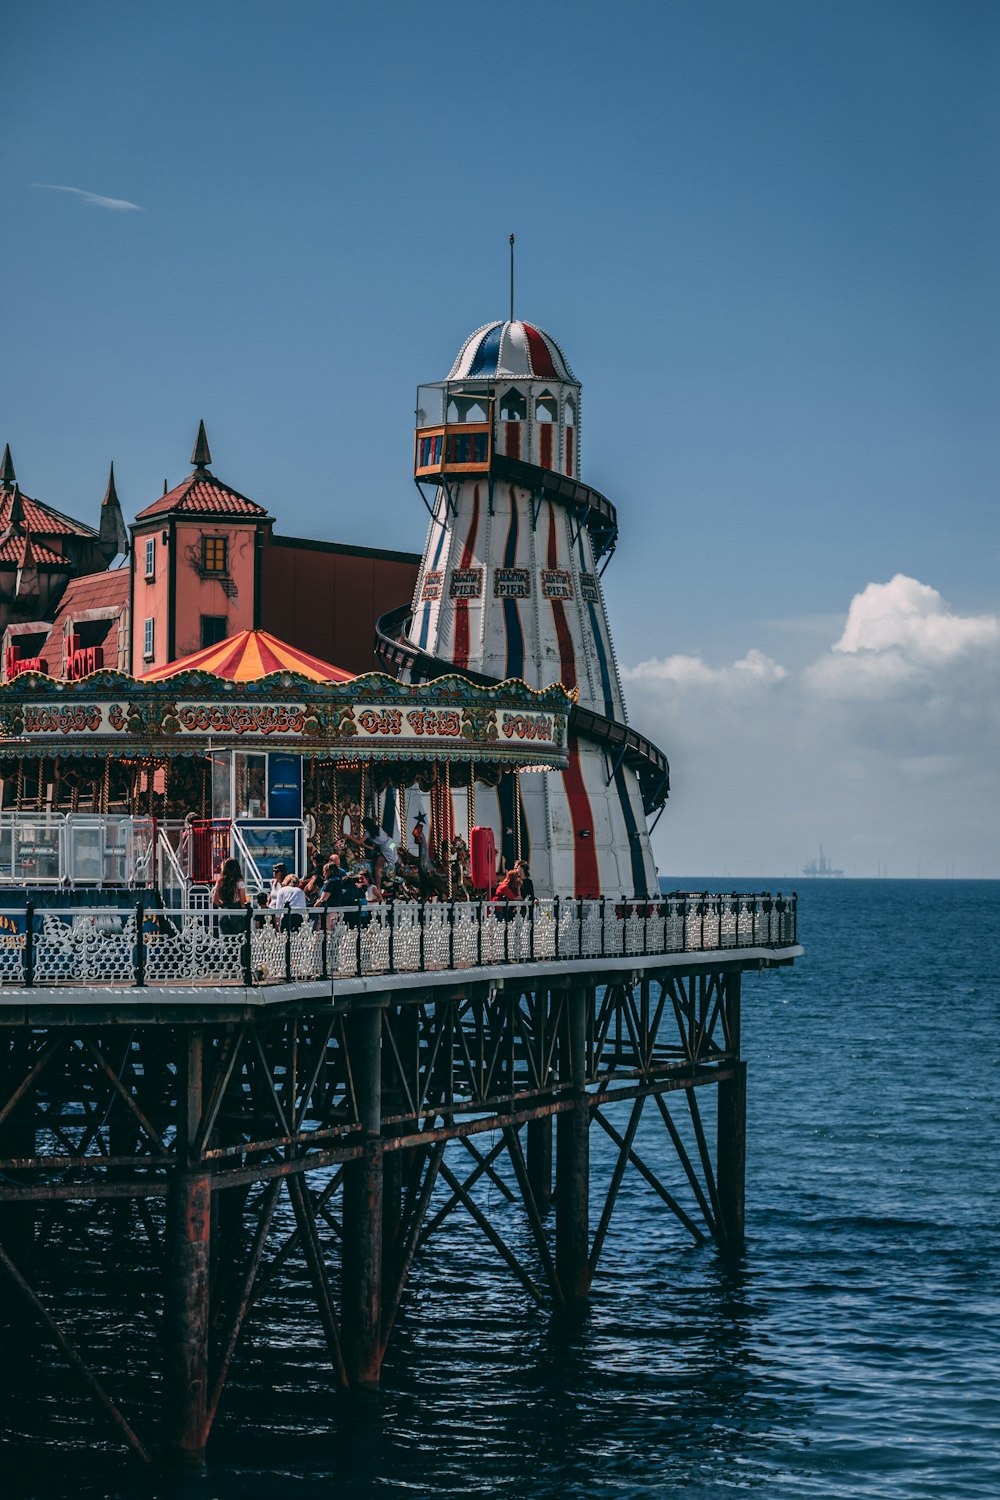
(510, 393)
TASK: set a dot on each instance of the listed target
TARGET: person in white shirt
(290, 897)
(279, 874)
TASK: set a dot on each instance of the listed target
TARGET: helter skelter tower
(510, 586)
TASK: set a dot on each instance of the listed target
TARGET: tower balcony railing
(142, 943)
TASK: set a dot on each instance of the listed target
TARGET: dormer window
(569, 419)
(214, 554)
(513, 411)
(151, 557)
(546, 414)
(513, 407)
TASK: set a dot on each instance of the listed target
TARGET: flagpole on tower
(512, 278)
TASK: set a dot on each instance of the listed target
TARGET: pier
(155, 1106)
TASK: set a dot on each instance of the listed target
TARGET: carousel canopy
(248, 656)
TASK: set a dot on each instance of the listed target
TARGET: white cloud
(913, 617)
(120, 205)
(897, 638)
(885, 747)
(753, 669)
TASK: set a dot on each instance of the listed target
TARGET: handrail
(250, 864)
(169, 857)
(143, 945)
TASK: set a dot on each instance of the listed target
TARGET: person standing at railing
(356, 896)
(291, 899)
(230, 894)
(331, 892)
(278, 873)
(507, 891)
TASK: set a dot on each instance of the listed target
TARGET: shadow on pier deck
(187, 1146)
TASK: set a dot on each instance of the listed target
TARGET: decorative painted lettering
(557, 583)
(444, 721)
(381, 721)
(466, 583)
(511, 583)
(240, 718)
(527, 726)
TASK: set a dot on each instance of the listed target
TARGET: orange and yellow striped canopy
(249, 655)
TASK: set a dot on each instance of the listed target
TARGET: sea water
(853, 1351)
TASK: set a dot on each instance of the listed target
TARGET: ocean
(853, 1351)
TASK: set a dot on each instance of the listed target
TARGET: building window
(151, 557)
(214, 628)
(147, 639)
(214, 554)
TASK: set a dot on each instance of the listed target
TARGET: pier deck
(149, 1125)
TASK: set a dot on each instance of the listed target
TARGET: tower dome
(511, 350)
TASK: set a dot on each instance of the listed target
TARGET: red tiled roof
(93, 591)
(12, 550)
(202, 494)
(42, 520)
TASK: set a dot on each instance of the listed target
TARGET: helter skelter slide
(509, 586)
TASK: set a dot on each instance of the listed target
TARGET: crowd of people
(362, 871)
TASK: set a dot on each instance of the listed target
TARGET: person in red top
(509, 888)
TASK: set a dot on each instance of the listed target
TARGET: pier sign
(557, 583)
(511, 583)
(466, 583)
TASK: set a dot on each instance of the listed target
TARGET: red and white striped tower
(510, 587)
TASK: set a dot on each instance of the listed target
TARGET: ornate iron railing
(139, 945)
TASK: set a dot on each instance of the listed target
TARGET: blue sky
(767, 236)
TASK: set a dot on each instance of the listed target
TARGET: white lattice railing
(140, 944)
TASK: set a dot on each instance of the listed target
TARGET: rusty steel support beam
(361, 1306)
(573, 1154)
(731, 1143)
(732, 1159)
(539, 1157)
(188, 1246)
(63, 1344)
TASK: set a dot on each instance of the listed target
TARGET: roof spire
(202, 456)
(512, 278)
(110, 494)
(15, 516)
(6, 468)
(112, 537)
(26, 582)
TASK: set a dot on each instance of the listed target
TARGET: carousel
(251, 749)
